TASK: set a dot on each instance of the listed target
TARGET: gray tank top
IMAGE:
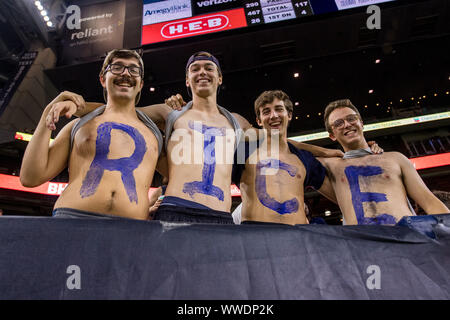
(142, 116)
(175, 114)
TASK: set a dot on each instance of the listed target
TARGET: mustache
(125, 79)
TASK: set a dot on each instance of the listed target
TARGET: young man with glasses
(371, 188)
(111, 153)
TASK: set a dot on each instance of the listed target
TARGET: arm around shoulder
(245, 125)
(327, 190)
(316, 150)
(158, 113)
(90, 106)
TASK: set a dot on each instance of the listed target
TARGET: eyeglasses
(118, 69)
(351, 118)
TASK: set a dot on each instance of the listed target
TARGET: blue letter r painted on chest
(125, 166)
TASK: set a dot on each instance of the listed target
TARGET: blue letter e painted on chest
(353, 173)
(288, 206)
(209, 163)
(125, 166)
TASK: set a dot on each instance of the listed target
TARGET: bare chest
(114, 139)
(201, 141)
(366, 172)
(284, 174)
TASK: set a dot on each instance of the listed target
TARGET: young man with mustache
(371, 188)
(201, 140)
(111, 153)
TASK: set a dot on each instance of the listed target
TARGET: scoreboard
(267, 11)
(165, 20)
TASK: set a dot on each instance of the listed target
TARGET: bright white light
(49, 23)
(46, 18)
(371, 91)
(40, 7)
(328, 213)
(37, 3)
(377, 61)
(152, 89)
(296, 75)
(43, 13)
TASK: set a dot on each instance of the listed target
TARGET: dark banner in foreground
(56, 258)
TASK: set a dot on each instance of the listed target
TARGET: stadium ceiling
(334, 56)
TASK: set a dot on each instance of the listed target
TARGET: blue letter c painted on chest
(288, 206)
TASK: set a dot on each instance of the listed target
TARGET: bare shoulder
(67, 128)
(329, 163)
(398, 159)
(158, 113)
(242, 121)
(329, 160)
(394, 155)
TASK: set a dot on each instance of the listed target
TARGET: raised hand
(176, 102)
(375, 147)
(65, 104)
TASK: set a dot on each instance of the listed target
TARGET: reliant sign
(91, 31)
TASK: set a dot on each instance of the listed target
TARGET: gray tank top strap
(153, 127)
(143, 117)
(171, 118)
(175, 114)
(82, 121)
(236, 126)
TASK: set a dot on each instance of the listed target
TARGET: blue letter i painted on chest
(209, 163)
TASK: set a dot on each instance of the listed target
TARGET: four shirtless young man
(112, 152)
